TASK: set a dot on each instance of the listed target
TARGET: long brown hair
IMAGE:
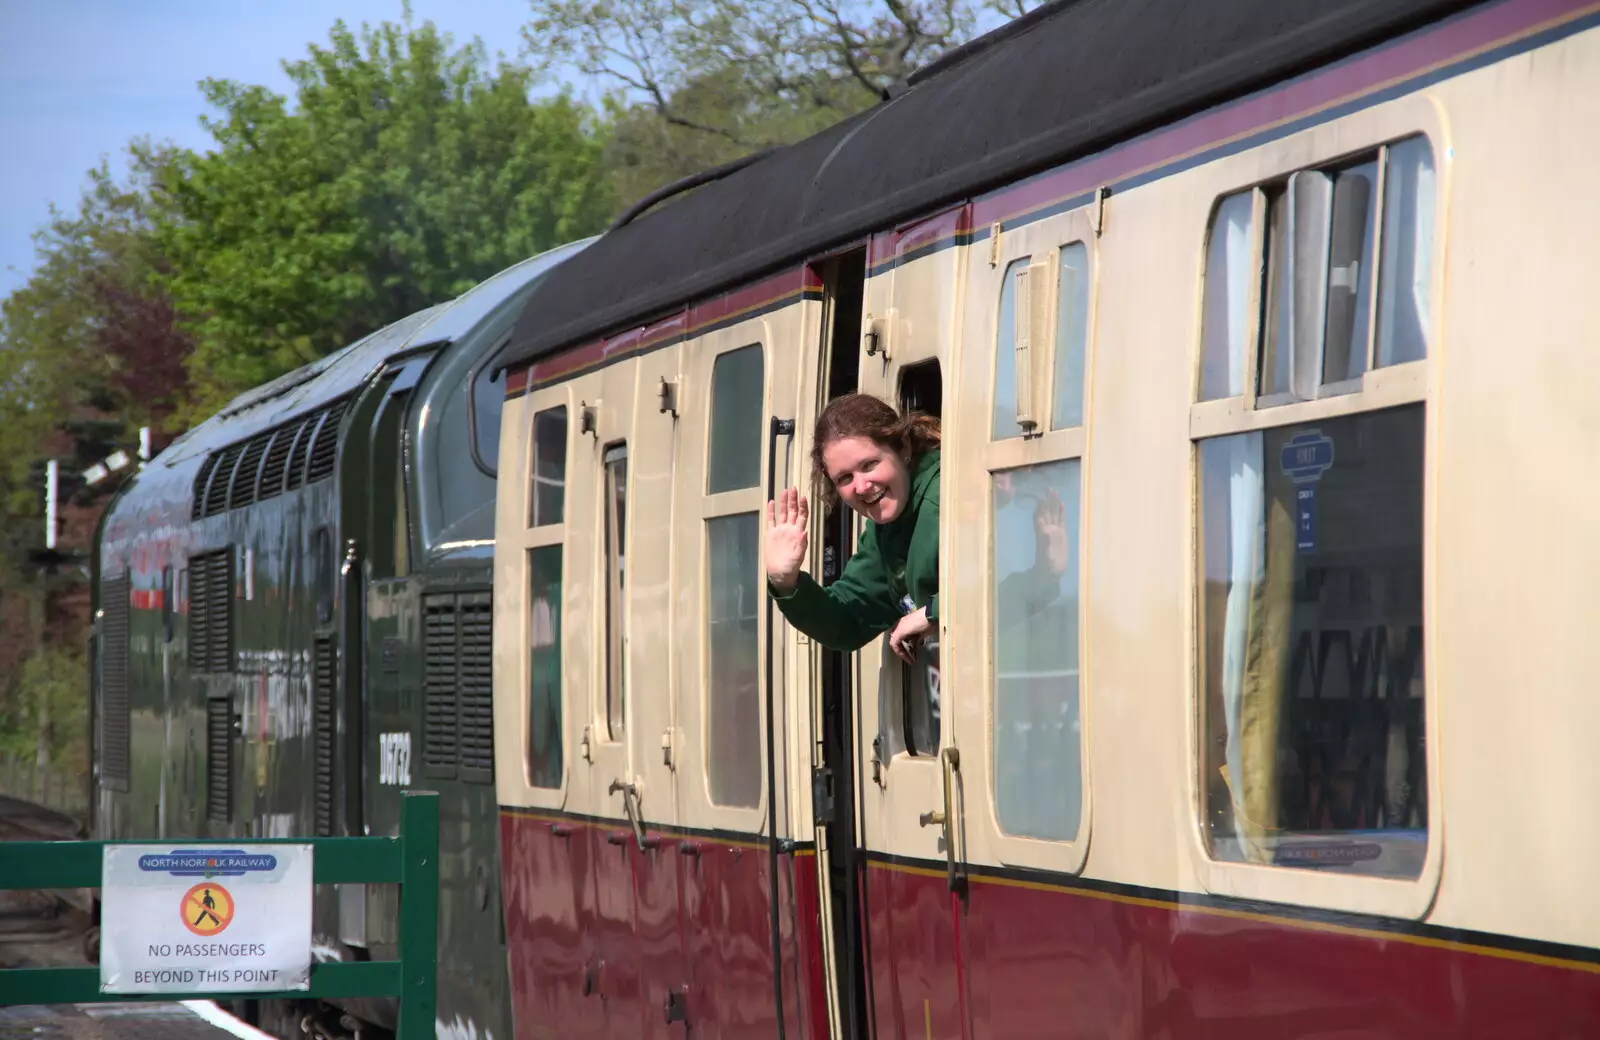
(861, 415)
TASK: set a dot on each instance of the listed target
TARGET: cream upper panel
(1514, 650)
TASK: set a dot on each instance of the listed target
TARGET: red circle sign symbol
(207, 909)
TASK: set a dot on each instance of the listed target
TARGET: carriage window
(1407, 253)
(1005, 358)
(1225, 326)
(1072, 334)
(733, 709)
(1311, 613)
(1037, 739)
(616, 534)
(736, 406)
(1319, 266)
(545, 759)
(547, 479)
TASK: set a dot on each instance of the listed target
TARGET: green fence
(410, 860)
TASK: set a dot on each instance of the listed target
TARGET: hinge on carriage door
(821, 795)
(1097, 217)
(666, 748)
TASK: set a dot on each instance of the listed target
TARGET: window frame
(513, 563)
(613, 582)
(716, 506)
(1407, 383)
(1044, 444)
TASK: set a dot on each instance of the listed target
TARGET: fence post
(419, 915)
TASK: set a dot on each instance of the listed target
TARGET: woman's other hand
(908, 633)
(787, 527)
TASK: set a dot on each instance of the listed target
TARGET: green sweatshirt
(893, 561)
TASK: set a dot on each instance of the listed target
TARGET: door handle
(630, 798)
(950, 764)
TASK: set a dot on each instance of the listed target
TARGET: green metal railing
(410, 860)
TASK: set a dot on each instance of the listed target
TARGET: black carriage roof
(1066, 80)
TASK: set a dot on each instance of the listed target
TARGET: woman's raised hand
(787, 527)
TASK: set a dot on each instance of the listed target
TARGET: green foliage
(47, 704)
(404, 173)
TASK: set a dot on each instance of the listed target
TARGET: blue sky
(80, 78)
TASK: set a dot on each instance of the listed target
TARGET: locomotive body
(292, 628)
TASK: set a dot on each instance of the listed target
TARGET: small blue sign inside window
(1307, 457)
(1305, 523)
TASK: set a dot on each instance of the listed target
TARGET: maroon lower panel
(912, 933)
(1036, 960)
(600, 934)
(1054, 962)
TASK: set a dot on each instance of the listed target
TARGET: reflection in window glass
(1072, 334)
(1403, 320)
(616, 524)
(1037, 739)
(545, 759)
(736, 404)
(1226, 323)
(733, 708)
(1355, 210)
(1005, 358)
(1312, 625)
(548, 477)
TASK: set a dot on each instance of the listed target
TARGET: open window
(1310, 437)
(615, 492)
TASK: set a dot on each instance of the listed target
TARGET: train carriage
(1258, 332)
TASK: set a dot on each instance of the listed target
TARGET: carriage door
(606, 428)
(908, 749)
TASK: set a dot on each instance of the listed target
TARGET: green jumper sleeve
(847, 614)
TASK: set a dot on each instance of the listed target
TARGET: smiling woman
(885, 467)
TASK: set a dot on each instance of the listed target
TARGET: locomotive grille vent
(210, 611)
(217, 490)
(458, 687)
(475, 697)
(219, 760)
(324, 449)
(440, 663)
(277, 461)
(302, 448)
(202, 480)
(243, 491)
(301, 451)
(324, 662)
(114, 706)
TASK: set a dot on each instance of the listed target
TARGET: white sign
(205, 919)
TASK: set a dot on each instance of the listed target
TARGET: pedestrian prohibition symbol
(207, 909)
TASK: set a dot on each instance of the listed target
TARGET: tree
(404, 173)
(89, 350)
(698, 82)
